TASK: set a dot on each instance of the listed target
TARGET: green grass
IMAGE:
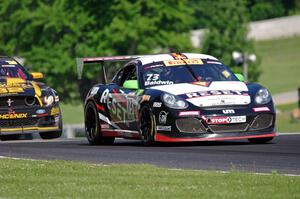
(59, 179)
(72, 114)
(284, 121)
(280, 64)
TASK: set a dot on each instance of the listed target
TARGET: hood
(205, 94)
(18, 86)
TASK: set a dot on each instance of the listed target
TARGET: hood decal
(183, 88)
(217, 93)
(12, 86)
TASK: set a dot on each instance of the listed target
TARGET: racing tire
(92, 127)
(9, 137)
(52, 134)
(147, 125)
(260, 140)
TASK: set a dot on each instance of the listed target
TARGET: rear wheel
(260, 140)
(147, 125)
(92, 127)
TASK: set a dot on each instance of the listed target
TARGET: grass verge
(72, 114)
(284, 121)
(280, 64)
(60, 179)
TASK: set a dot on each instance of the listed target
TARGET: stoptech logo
(13, 116)
(225, 120)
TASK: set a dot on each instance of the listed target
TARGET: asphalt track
(281, 155)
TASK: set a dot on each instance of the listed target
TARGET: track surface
(282, 155)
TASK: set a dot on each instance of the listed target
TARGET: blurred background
(49, 34)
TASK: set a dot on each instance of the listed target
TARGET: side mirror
(37, 75)
(240, 77)
(131, 84)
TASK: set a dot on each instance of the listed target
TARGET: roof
(164, 57)
(145, 59)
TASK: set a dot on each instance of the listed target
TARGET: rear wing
(101, 60)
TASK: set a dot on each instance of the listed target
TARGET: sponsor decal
(189, 113)
(163, 128)
(104, 96)
(11, 62)
(162, 117)
(226, 73)
(13, 116)
(228, 111)
(178, 56)
(40, 111)
(215, 92)
(158, 82)
(261, 109)
(55, 111)
(157, 104)
(94, 90)
(225, 119)
(183, 62)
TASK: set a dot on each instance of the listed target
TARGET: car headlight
(173, 101)
(48, 100)
(262, 96)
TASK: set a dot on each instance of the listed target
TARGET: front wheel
(92, 127)
(147, 125)
(53, 134)
(260, 140)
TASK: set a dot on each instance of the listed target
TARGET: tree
(228, 32)
(51, 34)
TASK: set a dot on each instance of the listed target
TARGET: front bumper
(49, 120)
(214, 125)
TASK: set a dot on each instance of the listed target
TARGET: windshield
(159, 74)
(10, 68)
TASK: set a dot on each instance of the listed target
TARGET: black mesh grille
(262, 122)
(17, 101)
(18, 123)
(190, 125)
(228, 128)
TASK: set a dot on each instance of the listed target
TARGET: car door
(124, 100)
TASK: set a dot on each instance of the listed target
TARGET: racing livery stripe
(101, 108)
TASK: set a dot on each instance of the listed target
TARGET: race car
(176, 97)
(27, 105)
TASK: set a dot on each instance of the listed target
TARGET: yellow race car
(27, 105)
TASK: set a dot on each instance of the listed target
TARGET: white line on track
(290, 133)
(226, 172)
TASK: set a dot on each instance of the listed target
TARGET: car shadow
(138, 143)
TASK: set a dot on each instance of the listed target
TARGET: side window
(118, 78)
(129, 73)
